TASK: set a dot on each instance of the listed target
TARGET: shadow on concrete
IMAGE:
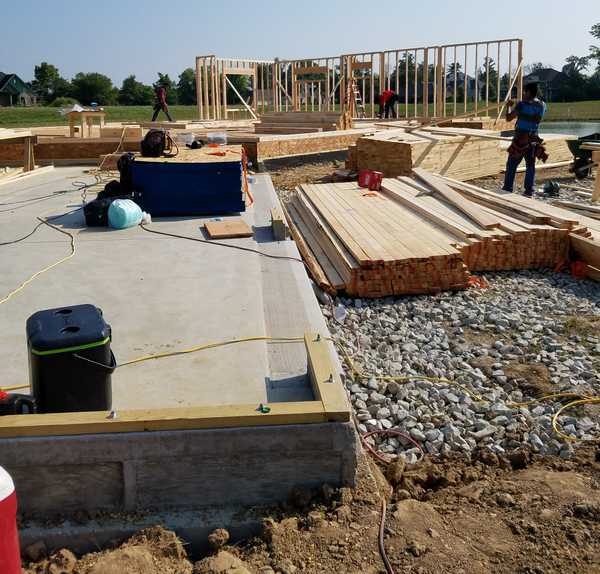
(263, 234)
(289, 389)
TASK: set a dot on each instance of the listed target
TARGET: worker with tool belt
(161, 102)
(526, 142)
(387, 101)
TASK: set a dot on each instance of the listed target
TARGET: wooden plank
(456, 199)
(397, 192)
(587, 249)
(26, 175)
(577, 206)
(311, 70)
(325, 378)
(312, 263)
(361, 65)
(320, 267)
(141, 420)
(596, 192)
(238, 71)
(228, 228)
(331, 244)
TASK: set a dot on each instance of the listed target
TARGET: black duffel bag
(96, 212)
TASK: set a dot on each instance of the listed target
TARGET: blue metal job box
(174, 188)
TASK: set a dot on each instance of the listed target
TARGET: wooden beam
(311, 70)
(250, 110)
(361, 65)
(457, 200)
(325, 379)
(23, 175)
(238, 71)
(140, 420)
(596, 192)
(587, 249)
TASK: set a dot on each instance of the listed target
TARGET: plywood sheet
(228, 228)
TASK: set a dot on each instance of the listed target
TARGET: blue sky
(142, 37)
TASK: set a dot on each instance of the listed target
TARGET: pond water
(574, 128)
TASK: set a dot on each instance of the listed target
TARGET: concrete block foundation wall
(171, 470)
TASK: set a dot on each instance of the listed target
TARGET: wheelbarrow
(582, 163)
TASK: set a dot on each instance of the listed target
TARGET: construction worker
(526, 143)
(386, 103)
(161, 102)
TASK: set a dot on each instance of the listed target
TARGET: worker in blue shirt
(526, 142)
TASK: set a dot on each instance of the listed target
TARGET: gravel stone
(536, 320)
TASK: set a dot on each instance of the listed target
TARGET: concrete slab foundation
(161, 294)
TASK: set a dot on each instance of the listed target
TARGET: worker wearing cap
(161, 102)
(526, 143)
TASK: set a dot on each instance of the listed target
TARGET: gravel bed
(561, 176)
(530, 334)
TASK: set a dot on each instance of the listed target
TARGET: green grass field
(42, 116)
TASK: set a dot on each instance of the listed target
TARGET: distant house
(15, 92)
(549, 80)
(460, 83)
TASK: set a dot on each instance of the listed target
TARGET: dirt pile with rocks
(517, 514)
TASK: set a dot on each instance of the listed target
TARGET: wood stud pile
(302, 122)
(427, 234)
(455, 152)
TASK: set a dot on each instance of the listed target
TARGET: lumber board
(12, 178)
(314, 266)
(228, 228)
(320, 267)
(327, 385)
(587, 249)
(454, 198)
(333, 247)
(307, 70)
(142, 420)
(397, 192)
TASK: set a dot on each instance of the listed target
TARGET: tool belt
(526, 142)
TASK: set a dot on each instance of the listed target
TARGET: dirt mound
(524, 514)
(150, 551)
(519, 514)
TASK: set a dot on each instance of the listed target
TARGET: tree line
(85, 88)
(581, 74)
(580, 80)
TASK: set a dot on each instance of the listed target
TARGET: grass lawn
(42, 116)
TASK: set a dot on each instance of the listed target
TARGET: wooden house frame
(430, 81)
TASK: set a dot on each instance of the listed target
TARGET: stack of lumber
(370, 246)
(426, 234)
(457, 152)
(302, 122)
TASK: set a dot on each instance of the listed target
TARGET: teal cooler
(70, 359)
(176, 189)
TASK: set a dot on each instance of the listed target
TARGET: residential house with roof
(15, 92)
(549, 81)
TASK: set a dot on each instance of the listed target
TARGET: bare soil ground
(523, 514)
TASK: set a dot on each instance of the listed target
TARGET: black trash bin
(70, 360)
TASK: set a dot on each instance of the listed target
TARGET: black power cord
(219, 243)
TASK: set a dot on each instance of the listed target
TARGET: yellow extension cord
(416, 378)
(190, 350)
(355, 372)
(55, 264)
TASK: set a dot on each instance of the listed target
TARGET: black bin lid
(67, 329)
